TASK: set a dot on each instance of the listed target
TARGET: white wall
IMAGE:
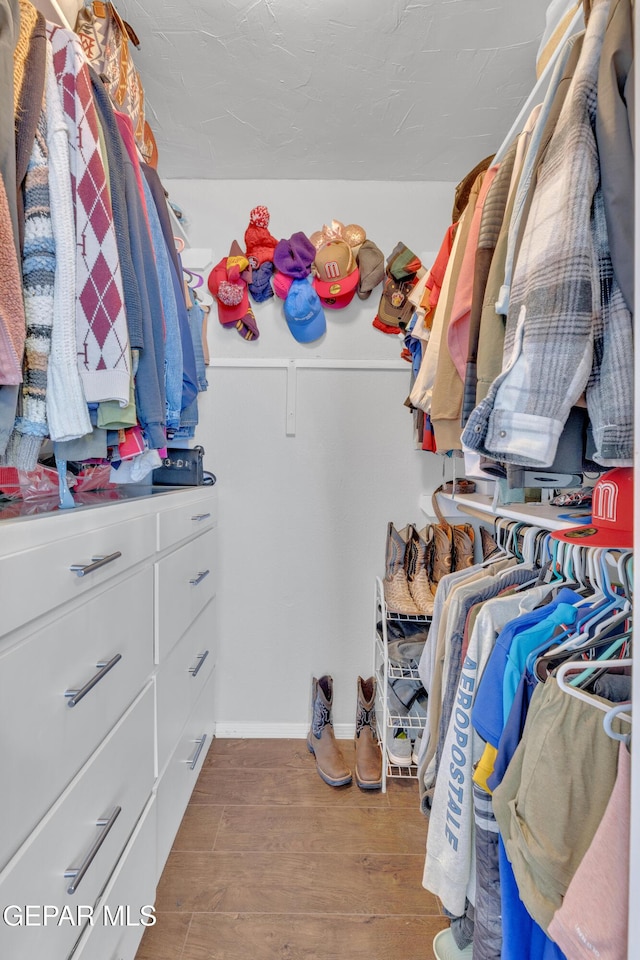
(303, 516)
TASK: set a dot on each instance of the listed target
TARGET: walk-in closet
(317, 496)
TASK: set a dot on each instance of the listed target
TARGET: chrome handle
(77, 873)
(201, 742)
(201, 516)
(196, 580)
(82, 569)
(75, 696)
(201, 659)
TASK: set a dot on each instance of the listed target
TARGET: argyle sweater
(101, 325)
(67, 411)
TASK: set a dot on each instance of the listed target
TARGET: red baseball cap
(611, 522)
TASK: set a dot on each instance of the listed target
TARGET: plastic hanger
(610, 715)
(548, 662)
(193, 279)
(579, 694)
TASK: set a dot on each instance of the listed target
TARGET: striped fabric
(38, 272)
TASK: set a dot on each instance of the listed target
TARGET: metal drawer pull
(201, 516)
(76, 874)
(75, 696)
(196, 580)
(201, 659)
(201, 742)
(82, 569)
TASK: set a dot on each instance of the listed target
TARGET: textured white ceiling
(332, 89)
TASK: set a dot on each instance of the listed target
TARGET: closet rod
(311, 364)
(575, 24)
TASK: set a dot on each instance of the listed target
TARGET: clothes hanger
(575, 637)
(579, 694)
(576, 640)
(610, 715)
(548, 662)
(193, 279)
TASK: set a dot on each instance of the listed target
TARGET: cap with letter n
(337, 274)
(611, 523)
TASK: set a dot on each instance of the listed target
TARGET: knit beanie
(260, 286)
(371, 266)
(294, 256)
(259, 243)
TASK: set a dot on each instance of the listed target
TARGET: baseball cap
(395, 309)
(337, 273)
(303, 312)
(230, 292)
(281, 284)
(611, 513)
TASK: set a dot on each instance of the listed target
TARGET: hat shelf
(386, 671)
(484, 508)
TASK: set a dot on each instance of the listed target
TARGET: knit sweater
(114, 147)
(12, 322)
(101, 325)
(38, 274)
(29, 65)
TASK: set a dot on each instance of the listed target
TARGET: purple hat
(294, 256)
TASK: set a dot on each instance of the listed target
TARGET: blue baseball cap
(303, 312)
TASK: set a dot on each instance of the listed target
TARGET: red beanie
(259, 243)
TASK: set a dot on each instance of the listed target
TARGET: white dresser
(107, 653)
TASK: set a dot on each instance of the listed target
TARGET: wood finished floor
(270, 863)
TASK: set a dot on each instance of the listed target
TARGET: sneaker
(445, 947)
(399, 750)
(415, 751)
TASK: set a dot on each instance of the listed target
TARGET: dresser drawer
(183, 520)
(45, 736)
(180, 679)
(38, 580)
(126, 906)
(177, 783)
(185, 582)
(87, 829)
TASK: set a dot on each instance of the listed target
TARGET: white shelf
(479, 505)
(385, 671)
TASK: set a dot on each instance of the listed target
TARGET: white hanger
(617, 711)
(578, 667)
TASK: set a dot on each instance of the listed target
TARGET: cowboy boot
(417, 577)
(396, 588)
(368, 755)
(463, 546)
(321, 741)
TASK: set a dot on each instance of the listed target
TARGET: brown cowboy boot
(396, 589)
(417, 576)
(321, 741)
(368, 755)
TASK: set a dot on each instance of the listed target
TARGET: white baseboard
(241, 730)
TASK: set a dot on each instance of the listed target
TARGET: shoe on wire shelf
(399, 749)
